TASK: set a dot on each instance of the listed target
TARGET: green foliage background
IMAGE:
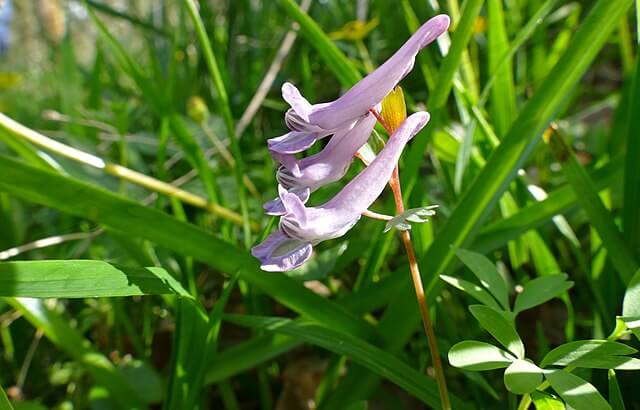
(201, 326)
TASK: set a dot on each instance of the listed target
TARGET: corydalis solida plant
(349, 121)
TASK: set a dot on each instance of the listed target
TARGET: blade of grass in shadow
(599, 216)
(57, 330)
(248, 355)
(223, 103)
(121, 214)
(83, 279)
(374, 358)
(630, 213)
(335, 59)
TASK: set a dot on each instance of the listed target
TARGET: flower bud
(197, 109)
(394, 110)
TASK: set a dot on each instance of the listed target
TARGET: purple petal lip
(302, 227)
(327, 166)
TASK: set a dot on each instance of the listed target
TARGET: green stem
(18, 130)
(216, 78)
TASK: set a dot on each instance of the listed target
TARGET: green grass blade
(59, 332)
(523, 35)
(82, 279)
(189, 351)
(249, 354)
(630, 213)
(374, 358)
(196, 341)
(451, 62)
(523, 136)
(5, 404)
(223, 102)
(599, 217)
(503, 97)
(532, 216)
(118, 213)
(145, 25)
(335, 59)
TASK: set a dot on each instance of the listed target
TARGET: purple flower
(310, 122)
(302, 227)
(301, 177)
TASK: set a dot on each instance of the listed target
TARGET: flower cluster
(349, 123)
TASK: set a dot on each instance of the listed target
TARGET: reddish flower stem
(394, 183)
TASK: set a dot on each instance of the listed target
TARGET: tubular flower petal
(302, 227)
(310, 122)
(373, 88)
(304, 176)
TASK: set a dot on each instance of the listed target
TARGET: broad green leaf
(478, 356)
(522, 377)
(121, 214)
(59, 332)
(372, 357)
(472, 290)
(573, 353)
(631, 301)
(633, 323)
(540, 290)
(83, 279)
(487, 274)
(576, 392)
(615, 395)
(499, 327)
(545, 401)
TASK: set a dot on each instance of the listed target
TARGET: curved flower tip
(372, 89)
(275, 207)
(279, 253)
(433, 28)
(298, 103)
